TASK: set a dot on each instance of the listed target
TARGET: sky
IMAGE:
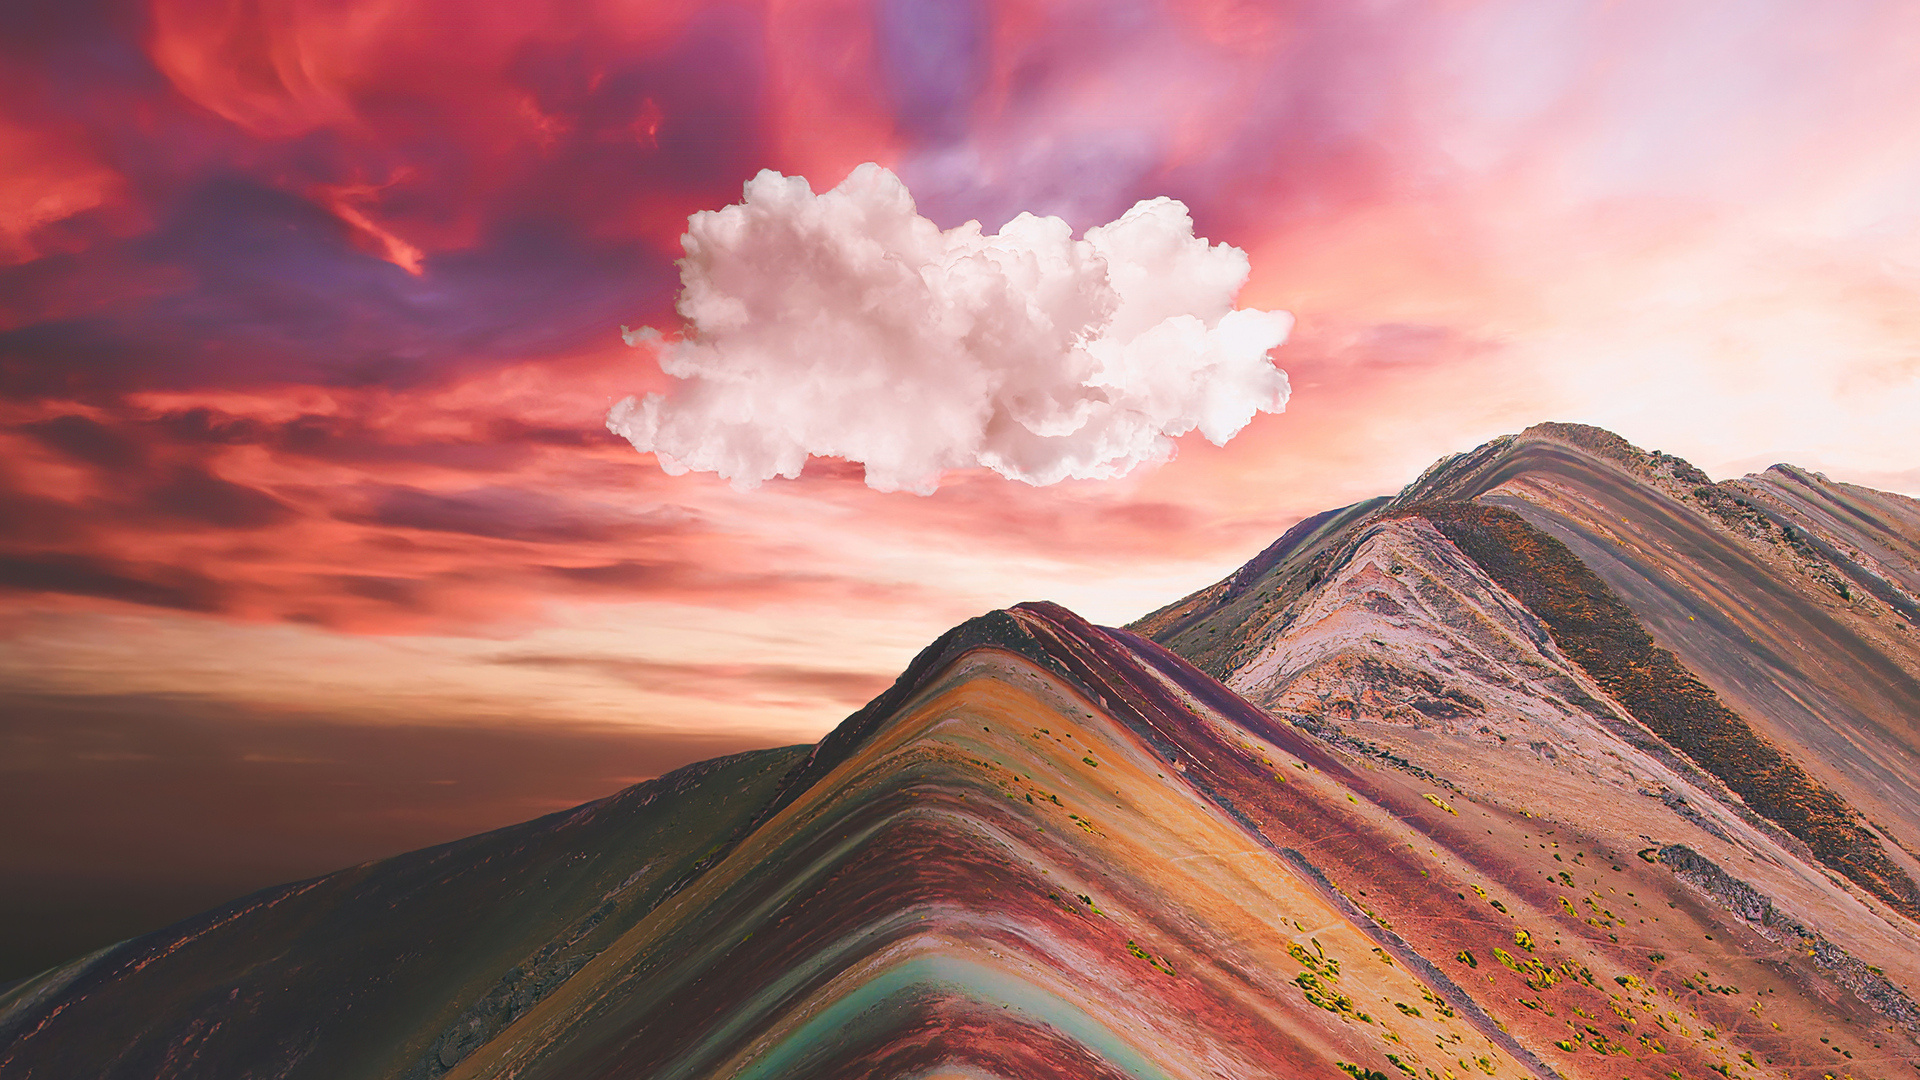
(315, 544)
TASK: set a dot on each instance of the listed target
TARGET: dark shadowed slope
(393, 968)
(1209, 626)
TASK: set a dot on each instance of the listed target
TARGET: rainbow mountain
(1564, 762)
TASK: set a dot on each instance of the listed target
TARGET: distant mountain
(1565, 762)
(1764, 632)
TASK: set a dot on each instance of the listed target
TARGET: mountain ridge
(1369, 806)
(1486, 473)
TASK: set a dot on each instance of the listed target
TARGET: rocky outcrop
(1867, 982)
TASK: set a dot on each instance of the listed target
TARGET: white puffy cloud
(846, 325)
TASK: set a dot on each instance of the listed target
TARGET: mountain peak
(1597, 441)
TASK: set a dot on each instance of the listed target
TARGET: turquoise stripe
(882, 1002)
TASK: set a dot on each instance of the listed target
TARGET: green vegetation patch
(1537, 973)
(1703, 984)
(1599, 632)
(1318, 960)
(1323, 994)
(1317, 982)
(1158, 963)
